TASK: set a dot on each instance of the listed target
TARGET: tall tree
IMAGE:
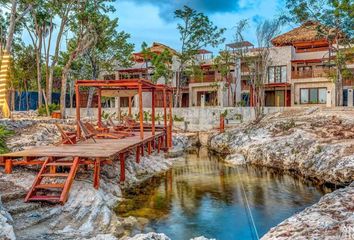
(196, 32)
(336, 24)
(258, 63)
(223, 64)
(160, 63)
(111, 49)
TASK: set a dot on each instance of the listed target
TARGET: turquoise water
(202, 196)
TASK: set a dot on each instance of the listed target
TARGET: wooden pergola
(116, 87)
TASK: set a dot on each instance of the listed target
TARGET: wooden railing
(311, 73)
(206, 78)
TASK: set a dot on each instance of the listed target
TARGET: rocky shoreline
(317, 145)
(89, 213)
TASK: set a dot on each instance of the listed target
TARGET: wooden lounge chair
(93, 131)
(85, 133)
(66, 137)
(125, 129)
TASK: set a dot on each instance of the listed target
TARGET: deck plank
(104, 148)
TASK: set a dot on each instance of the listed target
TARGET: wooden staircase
(50, 185)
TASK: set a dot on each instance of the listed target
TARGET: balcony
(206, 79)
(315, 73)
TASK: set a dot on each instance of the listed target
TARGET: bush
(42, 111)
(177, 119)
(4, 134)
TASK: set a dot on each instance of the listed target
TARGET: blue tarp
(32, 99)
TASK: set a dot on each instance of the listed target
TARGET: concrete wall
(199, 119)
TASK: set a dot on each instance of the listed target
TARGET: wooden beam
(137, 156)
(77, 95)
(122, 167)
(165, 112)
(99, 113)
(153, 111)
(69, 181)
(141, 112)
(130, 106)
(96, 175)
(8, 166)
(171, 121)
(149, 147)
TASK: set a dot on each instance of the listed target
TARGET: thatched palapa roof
(308, 31)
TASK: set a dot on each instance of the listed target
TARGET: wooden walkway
(104, 151)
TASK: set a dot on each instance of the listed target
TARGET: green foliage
(161, 63)
(196, 32)
(147, 116)
(106, 115)
(318, 149)
(224, 113)
(52, 107)
(338, 15)
(177, 118)
(4, 134)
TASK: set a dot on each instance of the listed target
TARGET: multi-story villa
(299, 73)
(301, 62)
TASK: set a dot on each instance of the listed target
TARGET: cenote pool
(201, 196)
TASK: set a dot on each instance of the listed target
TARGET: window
(277, 74)
(304, 96)
(322, 95)
(313, 95)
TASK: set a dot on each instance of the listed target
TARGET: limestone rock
(150, 236)
(331, 218)
(236, 159)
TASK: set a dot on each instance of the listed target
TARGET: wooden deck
(103, 151)
(103, 148)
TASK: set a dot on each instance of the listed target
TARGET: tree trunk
(64, 79)
(12, 23)
(55, 59)
(47, 54)
(39, 68)
(339, 88)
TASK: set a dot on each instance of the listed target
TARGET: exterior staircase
(49, 185)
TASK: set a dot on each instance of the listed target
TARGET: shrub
(177, 119)
(4, 134)
(42, 111)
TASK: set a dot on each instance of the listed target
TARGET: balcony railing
(206, 78)
(316, 73)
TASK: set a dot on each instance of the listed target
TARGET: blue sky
(152, 20)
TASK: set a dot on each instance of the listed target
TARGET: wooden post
(137, 156)
(99, 113)
(122, 167)
(165, 113)
(251, 96)
(77, 95)
(158, 144)
(96, 175)
(153, 111)
(149, 147)
(171, 122)
(141, 111)
(8, 166)
(130, 106)
(222, 123)
(142, 149)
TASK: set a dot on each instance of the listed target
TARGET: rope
(247, 204)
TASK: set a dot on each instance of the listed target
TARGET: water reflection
(202, 196)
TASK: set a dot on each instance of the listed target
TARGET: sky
(153, 20)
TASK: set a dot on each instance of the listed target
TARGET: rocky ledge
(314, 143)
